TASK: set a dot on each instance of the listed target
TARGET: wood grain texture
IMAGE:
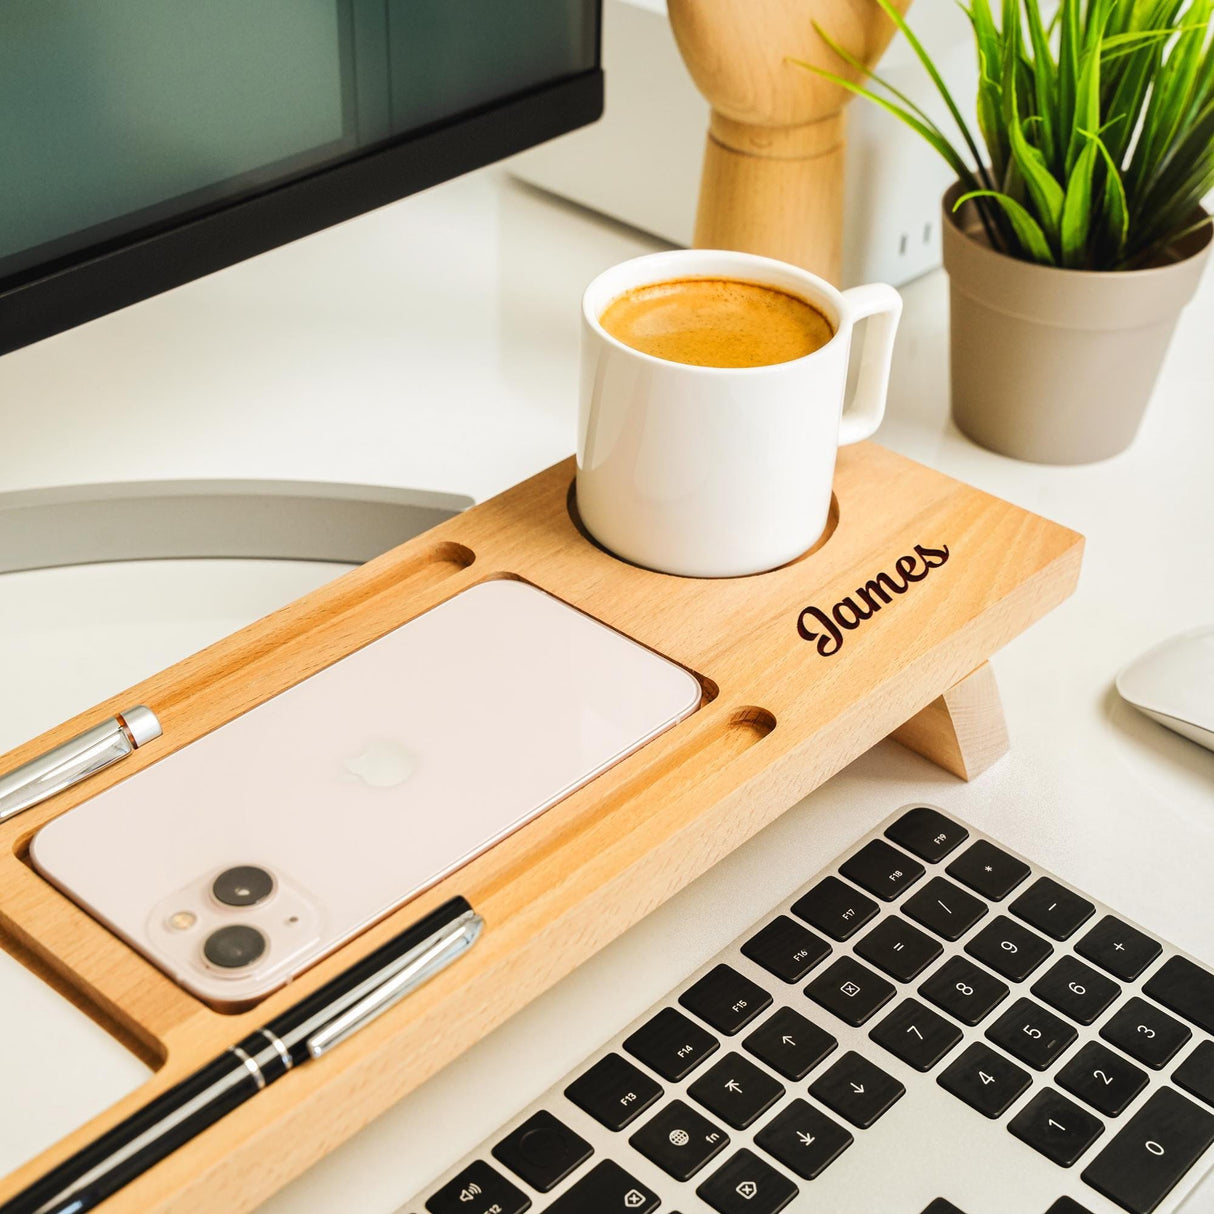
(964, 730)
(773, 163)
(783, 719)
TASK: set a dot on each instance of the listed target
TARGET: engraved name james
(814, 624)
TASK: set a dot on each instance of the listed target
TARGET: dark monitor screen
(125, 124)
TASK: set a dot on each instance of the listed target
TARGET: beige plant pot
(1056, 366)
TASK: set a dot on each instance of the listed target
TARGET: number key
(1145, 1033)
(1153, 1150)
(1008, 948)
(916, 1034)
(1102, 1079)
(1056, 1126)
(1076, 989)
(986, 1081)
(967, 993)
(1032, 1034)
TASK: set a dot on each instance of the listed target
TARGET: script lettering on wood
(827, 628)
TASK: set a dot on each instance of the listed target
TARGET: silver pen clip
(76, 759)
(416, 967)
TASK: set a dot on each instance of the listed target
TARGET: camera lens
(244, 885)
(234, 947)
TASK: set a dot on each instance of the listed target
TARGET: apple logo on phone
(382, 763)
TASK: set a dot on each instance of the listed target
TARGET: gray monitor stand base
(149, 520)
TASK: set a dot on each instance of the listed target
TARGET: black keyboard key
(835, 908)
(939, 1206)
(1146, 1033)
(1119, 948)
(679, 1140)
(1151, 1153)
(1052, 908)
(726, 999)
(1056, 1126)
(1076, 989)
(944, 908)
(1102, 1079)
(747, 1185)
(882, 870)
(804, 1140)
(965, 991)
(916, 1034)
(606, 1189)
(478, 1189)
(786, 949)
(927, 833)
(988, 870)
(857, 1090)
(986, 1081)
(1067, 1205)
(1196, 1073)
(543, 1151)
(613, 1092)
(1009, 949)
(671, 1044)
(1185, 988)
(850, 990)
(736, 1091)
(1032, 1034)
(902, 951)
(790, 1044)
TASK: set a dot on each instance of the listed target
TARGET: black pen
(308, 1030)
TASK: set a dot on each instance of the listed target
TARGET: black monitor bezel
(98, 282)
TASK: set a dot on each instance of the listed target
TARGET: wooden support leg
(963, 730)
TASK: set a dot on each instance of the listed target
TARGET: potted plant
(1076, 238)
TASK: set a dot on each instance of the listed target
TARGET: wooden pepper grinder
(773, 165)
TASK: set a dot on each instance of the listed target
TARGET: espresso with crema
(716, 322)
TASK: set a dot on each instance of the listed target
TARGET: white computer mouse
(1174, 683)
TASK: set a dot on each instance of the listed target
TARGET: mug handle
(863, 413)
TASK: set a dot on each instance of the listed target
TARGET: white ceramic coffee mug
(722, 471)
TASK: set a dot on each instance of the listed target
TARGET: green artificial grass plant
(1098, 126)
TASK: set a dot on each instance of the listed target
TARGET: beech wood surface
(779, 719)
(772, 181)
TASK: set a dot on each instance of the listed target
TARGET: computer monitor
(144, 143)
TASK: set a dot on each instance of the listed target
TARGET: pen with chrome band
(306, 1031)
(76, 759)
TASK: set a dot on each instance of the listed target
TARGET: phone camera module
(244, 885)
(234, 947)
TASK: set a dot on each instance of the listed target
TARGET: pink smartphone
(239, 860)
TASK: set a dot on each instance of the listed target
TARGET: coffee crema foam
(716, 322)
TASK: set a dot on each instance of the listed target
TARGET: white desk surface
(433, 345)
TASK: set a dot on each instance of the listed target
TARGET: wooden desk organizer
(782, 713)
